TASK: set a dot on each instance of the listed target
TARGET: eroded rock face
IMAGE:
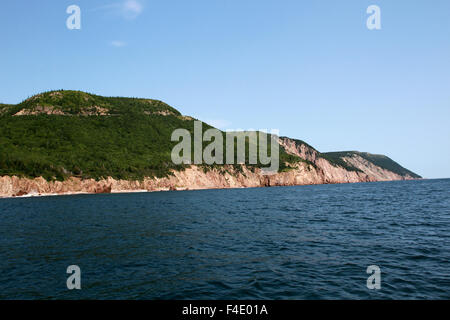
(377, 173)
(195, 178)
(40, 110)
(333, 174)
(301, 150)
(51, 110)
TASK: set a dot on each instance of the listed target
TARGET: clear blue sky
(308, 68)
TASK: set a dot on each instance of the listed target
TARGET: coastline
(39, 195)
(192, 178)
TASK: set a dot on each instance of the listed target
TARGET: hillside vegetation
(60, 134)
(82, 103)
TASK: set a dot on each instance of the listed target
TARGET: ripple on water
(311, 242)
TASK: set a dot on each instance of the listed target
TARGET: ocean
(303, 242)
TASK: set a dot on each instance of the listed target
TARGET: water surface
(305, 242)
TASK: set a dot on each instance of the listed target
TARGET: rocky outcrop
(51, 110)
(40, 110)
(364, 170)
(376, 172)
(192, 178)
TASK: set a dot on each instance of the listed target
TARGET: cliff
(66, 142)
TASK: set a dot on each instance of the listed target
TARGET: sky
(311, 69)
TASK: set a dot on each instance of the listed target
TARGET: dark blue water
(306, 242)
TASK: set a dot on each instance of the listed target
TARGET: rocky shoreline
(314, 170)
(193, 178)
